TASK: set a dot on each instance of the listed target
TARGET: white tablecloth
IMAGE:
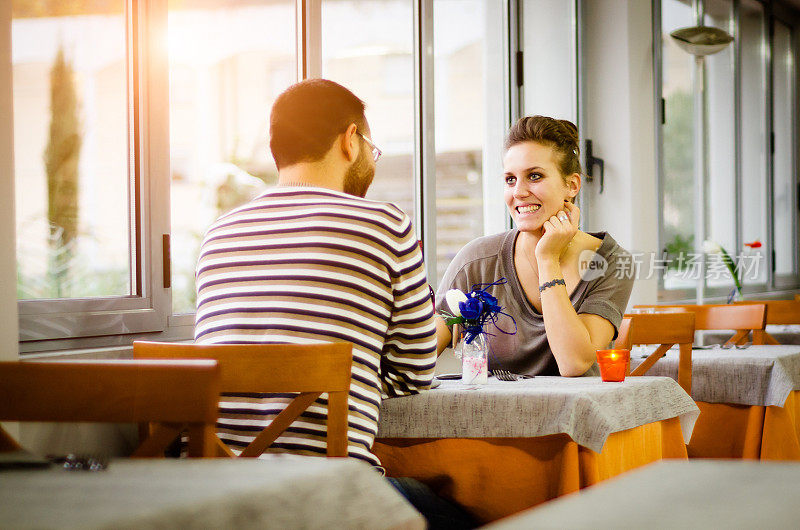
(280, 492)
(757, 375)
(585, 408)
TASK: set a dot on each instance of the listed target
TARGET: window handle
(592, 161)
(166, 261)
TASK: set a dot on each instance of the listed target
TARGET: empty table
(282, 491)
(679, 495)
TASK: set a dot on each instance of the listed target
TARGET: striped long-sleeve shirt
(308, 265)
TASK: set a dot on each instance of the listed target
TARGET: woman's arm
(443, 335)
(573, 338)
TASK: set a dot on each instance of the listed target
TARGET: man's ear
(349, 143)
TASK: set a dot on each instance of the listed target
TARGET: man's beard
(359, 175)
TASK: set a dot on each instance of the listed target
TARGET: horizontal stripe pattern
(308, 265)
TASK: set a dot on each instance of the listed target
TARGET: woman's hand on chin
(558, 232)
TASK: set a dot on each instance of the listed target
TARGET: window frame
(58, 323)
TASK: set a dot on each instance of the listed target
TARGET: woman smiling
(566, 289)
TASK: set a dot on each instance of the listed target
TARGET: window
(785, 180)
(740, 149)
(162, 126)
(368, 46)
(720, 108)
(468, 143)
(227, 64)
(550, 80)
(678, 152)
(78, 154)
(754, 139)
(71, 152)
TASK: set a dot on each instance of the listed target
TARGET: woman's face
(534, 189)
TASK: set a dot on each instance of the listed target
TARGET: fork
(81, 462)
(505, 375)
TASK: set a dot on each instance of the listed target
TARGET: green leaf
(731, 268)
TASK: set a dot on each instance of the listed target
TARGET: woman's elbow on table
(575, 368)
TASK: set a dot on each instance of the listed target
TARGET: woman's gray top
(604, 290)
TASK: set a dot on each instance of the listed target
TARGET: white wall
(619, 118)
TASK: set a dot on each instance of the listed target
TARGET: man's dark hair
(308, 116)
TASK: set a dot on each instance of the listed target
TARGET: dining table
(502, 447)
(677, 495)
(749, 400)
(278, 491)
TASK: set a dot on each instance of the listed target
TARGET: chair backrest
(779, 312)
(174, 396)
(742, 318)
(665, 329)
(308, 369)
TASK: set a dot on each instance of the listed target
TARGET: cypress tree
(61, 163)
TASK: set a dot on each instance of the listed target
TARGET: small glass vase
(474, 360)
(735, 296)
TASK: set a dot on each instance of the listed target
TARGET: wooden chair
(175, 396)
(308, 370)
(665, 329)
(741, 318)
(779, 312)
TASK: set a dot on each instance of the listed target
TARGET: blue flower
(472, 308)
(490, 304)
(476, 309)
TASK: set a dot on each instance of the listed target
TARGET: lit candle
(613, 364)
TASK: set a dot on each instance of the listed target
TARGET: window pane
(548, 39)
(720, 191)
(367, 46)
(754, 132)
(226, 66)
(678, 148)
(784, 183)
(460, 65)
(71, 138)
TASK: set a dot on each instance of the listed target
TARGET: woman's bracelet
(551, 283)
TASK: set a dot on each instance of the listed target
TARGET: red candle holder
(613, 364)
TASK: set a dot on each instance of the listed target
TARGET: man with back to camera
(311, 260)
